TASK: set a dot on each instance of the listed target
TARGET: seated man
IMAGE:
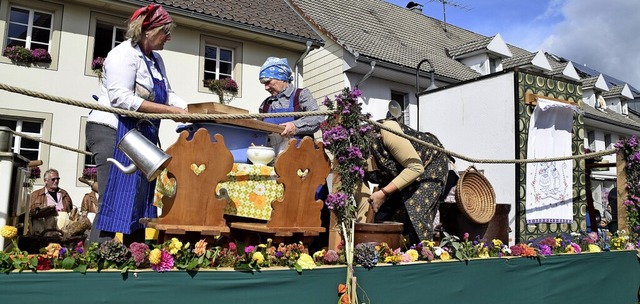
(51, 194)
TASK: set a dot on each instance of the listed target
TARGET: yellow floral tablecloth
(250, 189)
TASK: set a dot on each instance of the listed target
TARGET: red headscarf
(156, 16)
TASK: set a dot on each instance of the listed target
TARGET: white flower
(437, 251)
(260, 189)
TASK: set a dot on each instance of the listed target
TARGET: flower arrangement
(174, 255)
(90, 173)
(222, 87)
(96, 66)
(41, 55)
(346, 137)
(34, 174)
(18, 54)
(631, 152)
(21, 55)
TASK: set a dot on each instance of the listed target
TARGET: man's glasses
(54, 179)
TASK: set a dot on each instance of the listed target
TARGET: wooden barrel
(387, 232)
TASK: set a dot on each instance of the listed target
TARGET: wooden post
(334, 231)
(621, 185)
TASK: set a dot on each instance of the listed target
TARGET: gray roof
(470, 47)
(517, 61)
(615, 91)
(589, 82)
(613, 118)
(558, 64)
(390, 33)
(269, 17)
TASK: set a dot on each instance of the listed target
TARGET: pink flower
(166, 262)
(576, 248)
(232, 246)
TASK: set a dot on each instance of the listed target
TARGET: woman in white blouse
(134, 79)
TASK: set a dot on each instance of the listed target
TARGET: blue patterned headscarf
(276, 68)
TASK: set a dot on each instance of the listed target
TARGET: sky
(602, 34)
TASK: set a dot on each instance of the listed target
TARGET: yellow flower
(154, 256)
(429, 244)
(258, 257)
(174, 246)
(306, 261)
(413, 254)
(483, 252)
(319, 254)
(558, 242)
(497, 243)
(445, 255)
(393, 259)
(593, 248)
(569, 249)
(9, 232)
(200, 248)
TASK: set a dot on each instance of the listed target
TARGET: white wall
(477, 120)
(479, 63)
(376, 94)
(589, 97)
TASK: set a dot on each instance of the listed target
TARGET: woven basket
(475, 196)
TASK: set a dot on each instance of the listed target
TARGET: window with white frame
(219, 59)
(26, 147)
(218, 62)
(33, 25)
(607, 141)
(625, 108)
(105, 33)
(401, 98)
(29, 28)
(107, 36)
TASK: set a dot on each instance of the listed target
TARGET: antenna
(446, 3)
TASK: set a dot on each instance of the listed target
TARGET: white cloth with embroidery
(550, 184)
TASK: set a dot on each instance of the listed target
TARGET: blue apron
(129, 197)
(281, 120)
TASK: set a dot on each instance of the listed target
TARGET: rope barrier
(493, 161)
(206, 117)
(50, 143)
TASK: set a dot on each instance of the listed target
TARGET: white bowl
(260, 155)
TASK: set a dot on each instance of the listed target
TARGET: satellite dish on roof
(395, 109)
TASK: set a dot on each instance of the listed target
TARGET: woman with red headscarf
(134, 79)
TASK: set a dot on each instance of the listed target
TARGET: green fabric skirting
(608, 277)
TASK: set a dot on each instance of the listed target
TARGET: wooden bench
(199, 165)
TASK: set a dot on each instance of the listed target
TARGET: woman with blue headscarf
(276, 76)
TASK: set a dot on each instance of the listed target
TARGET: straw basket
(475, 196)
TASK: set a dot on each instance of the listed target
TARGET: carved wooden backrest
(198, 166)
(301, 170)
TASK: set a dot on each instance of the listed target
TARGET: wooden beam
(532, 99)
(621, 185)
